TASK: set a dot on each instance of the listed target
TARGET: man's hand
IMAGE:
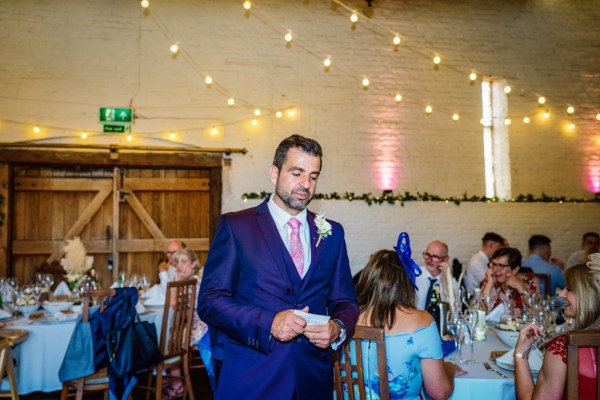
(163, 266)
(287, 325)
(323, 335)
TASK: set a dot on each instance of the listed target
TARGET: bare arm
(438, 377)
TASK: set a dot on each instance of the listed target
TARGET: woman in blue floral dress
(386, 297)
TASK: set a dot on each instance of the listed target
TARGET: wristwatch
(342, 335)
(522, 355)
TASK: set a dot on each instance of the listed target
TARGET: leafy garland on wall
(389, 198)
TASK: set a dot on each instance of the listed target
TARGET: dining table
(38, 358)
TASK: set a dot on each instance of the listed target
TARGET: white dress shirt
(281, 219)
(423, 287)
(476, 270)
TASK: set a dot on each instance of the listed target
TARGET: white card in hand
(312, 319)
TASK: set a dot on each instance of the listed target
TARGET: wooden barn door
(129, 214)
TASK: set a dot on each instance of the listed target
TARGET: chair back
(99, 297)
(350, 372)
(574, 341)
(178, 313)
(545, 281)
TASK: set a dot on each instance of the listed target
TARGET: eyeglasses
(433, 256)
(493, 265)
(170, 252)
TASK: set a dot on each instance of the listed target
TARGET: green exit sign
(116, 128)
(116, 115)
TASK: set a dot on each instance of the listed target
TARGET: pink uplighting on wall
(593, 175)
(386, 165)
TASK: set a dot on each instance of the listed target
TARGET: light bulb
(354, 17)
(174, 48)
(288, 37)
(231, 102)
(279, 114)
(455, 117)
(507, 121)
(172, 136)
(598, 117)
(472, 76)
(437, 60)
(36, 129)
(145, 3)
(570, 126)
(254, 122)
(365, 82)
(481, 121)
(428, 109)
(541, 100)
(397, 40)
(291, 112)
(546, 115)
(327, 62)
(570, 110)
(129, 138)
(247, 5)
(526, 120)
(208, 80)
(398, 98)
(214, 131)
(257, 112)
(84, 135)
(507, 89)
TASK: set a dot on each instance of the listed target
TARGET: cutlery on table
(489, 368)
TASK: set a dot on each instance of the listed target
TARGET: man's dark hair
(514, 256)
(537, 241)
(309, 146)
(590, 234)
(492, 237)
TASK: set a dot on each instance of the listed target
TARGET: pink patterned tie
(296, 249)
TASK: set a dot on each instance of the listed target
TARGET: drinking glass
(489, 303)
(49, 279)
(470, 319)
(456, 329)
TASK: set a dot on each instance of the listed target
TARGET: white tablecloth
(40, 356)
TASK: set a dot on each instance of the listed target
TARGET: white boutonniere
(323, 227)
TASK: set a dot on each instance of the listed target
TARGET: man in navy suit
(260, 268)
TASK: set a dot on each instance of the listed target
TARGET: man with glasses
(436, 259)
(166, 269)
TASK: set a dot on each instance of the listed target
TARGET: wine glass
(144, 282)
(49, 280)
(489, 302)
(470, 319)
(456, 329)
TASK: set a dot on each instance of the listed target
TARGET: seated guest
(386, 297)
(478, 264)
(589, 245)
(166, 269)
(540, 262)
(436, 270)
(503, 280)
(581, 303)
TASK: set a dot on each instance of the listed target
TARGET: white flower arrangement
(75, 262)
(323, 227)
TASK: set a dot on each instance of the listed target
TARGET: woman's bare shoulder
(409, 320)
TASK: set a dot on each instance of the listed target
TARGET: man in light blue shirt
(540, 262)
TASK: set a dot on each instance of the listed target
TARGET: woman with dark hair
(582, 303)
(386, 298)
(502, 278)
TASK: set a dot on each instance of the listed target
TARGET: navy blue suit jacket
(249, 277)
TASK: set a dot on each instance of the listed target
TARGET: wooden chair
(97, 382)
(574, 341)
(545, 281)
(175, 339)
(350, 373)
(7, 369)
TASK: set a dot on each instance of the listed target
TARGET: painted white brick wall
(61, 61)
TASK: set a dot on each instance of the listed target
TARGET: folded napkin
(139, 308)
(4, 314)
(62, 289)
(154, 297)
(496, 313)
(535, 358)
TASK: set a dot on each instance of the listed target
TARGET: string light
(289, 37)
(526, 120)
(254, 122)
(398, 98)
(354, 17)
(231, 102)
(570, 110)
(507, 89)
(473, 76)
(279, 114)
(507, 121)
(481, 121)
(546, 115)
(397, 40)
(84, 135)
(257, 112)
(129, 138)
(541, 100)
(172, 136)
(455, 117)
(428, 109)
(175, 48)
(437, 60)
(214, 130)
(145, 3)
(247, 5)
(208, 80)
(598, 117)
(571, 126)
(292, 112)
(36, 129)
(327, 62)
(365, 82)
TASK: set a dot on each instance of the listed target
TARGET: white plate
(154, 305)
(511, 367)
(52, 320)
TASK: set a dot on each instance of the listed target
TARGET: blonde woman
(582, 302)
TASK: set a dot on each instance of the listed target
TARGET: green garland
(407, 196)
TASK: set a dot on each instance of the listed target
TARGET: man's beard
(293, 203)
